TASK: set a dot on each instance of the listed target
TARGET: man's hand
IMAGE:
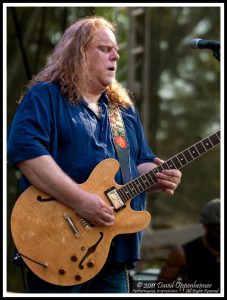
(92, 208)
(168, 180)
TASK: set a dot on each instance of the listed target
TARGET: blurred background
(175, 88)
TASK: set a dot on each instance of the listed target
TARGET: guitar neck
(147, 180)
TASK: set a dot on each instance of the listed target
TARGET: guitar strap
(120, 140)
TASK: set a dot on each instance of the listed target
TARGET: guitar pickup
(114, 199)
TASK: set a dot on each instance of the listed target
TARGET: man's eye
(104, 48)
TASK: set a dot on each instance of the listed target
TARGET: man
(198, 261)
(61, 131)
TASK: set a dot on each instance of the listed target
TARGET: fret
(138, 184)
(135, 188)
(188, 155)
(122, 195)
(207, 144)
(165, 166)
(151, 178)
(137, 191)
(201, 149)
(211, 142)
(134, 192)
(193, 151)
(152, 173)
(182, 159)
(125, 192)
(155, 170)
(215, 138)
(130, 192)
(177, 162)
(142, 182)
(171, 164)
(159, 168)
(145, 181)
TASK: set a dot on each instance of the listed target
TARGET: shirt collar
(103, 99)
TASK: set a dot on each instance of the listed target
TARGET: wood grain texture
(41, 232)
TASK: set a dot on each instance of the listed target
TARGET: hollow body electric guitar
(64, 249)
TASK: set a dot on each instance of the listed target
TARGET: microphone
(205, 44)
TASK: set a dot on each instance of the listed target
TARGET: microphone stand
(216, 54)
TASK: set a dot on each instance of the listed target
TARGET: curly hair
(67, 64)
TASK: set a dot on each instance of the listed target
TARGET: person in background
(61, 131)
(198, 261)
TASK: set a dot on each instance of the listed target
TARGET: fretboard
(147, 180)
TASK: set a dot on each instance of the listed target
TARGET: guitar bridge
(114, 199)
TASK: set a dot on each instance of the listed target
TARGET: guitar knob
(61, 271)
(90, 264)
(78, 277)
(73, 258)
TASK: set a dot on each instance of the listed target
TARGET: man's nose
(115, 55)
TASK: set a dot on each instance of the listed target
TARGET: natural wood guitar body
(47, 242)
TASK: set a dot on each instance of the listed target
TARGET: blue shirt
(47, 124)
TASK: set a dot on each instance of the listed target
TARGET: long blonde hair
(67, 64)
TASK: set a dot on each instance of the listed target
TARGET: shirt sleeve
(29, 132)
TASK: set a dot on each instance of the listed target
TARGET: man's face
(102, 60)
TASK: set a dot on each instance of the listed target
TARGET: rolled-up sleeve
(29, 133)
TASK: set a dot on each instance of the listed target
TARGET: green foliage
(188, 94)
